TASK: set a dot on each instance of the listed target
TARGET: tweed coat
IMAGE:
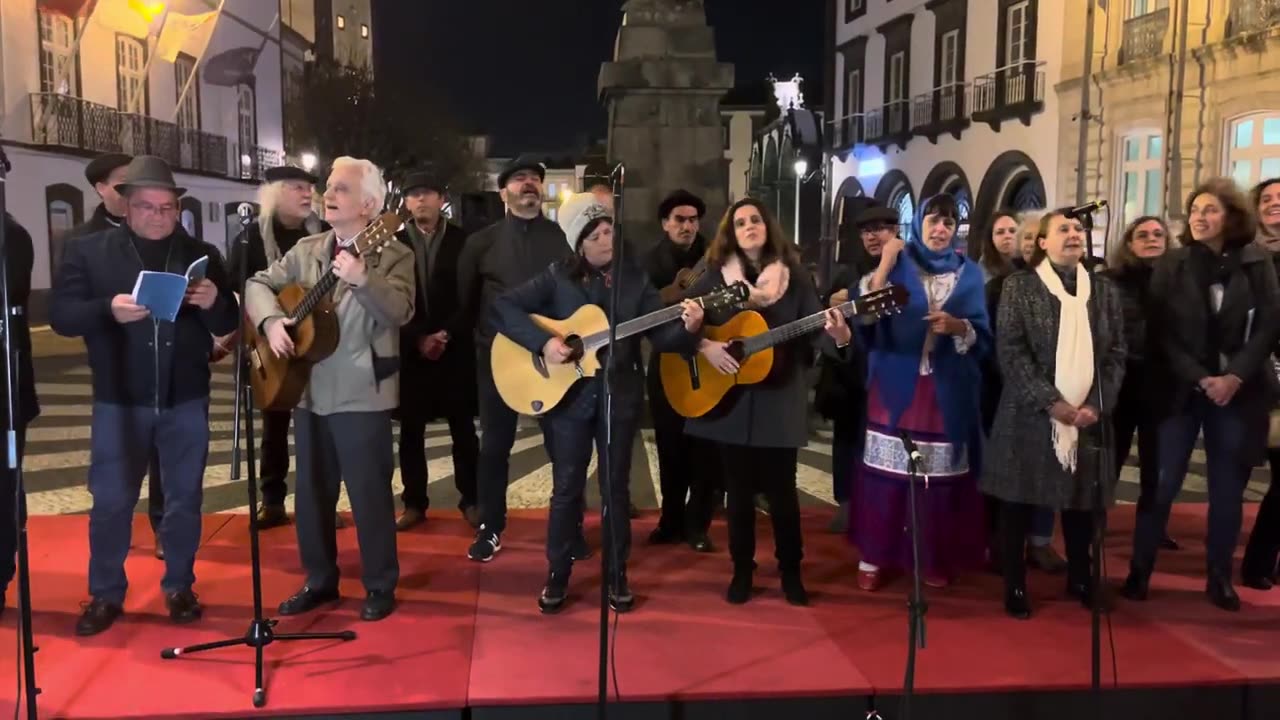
(1021, 465)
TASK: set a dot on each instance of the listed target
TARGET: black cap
(102, 166)
(423, 179)
(878, 214)
(681, 198)
(149, 171)
(288, 172)
(524, 162)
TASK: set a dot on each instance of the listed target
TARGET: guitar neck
(314, 296)
(795, 329)
(639, 325)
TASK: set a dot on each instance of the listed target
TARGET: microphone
(245, 211)
(1076, 213)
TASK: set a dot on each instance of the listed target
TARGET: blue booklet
(162, 292)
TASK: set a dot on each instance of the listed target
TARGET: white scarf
(1073, 363)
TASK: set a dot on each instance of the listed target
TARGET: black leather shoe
(270, 516)
(183, 607)
(377, 605)
(793, 589)
(1168, 543)
(620, 597)
(1221, 594)
(97, 617)
(554, 593)
(1137, 586)
(702, 544)
(1016, 603)
(1257, 582)
(739, 587)
(308, 599)
(581, 549)
(662, 535)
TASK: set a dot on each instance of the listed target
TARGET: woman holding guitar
(924, 382)
(577, 421)
(761, 427)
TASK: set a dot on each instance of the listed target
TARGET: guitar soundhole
(736, 350)
(575, 344)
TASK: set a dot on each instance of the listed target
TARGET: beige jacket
(362, 375)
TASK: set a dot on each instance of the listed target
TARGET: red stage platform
(468, 640)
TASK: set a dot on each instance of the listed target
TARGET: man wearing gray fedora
(150, 384)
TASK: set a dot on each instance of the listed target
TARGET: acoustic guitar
(530, 385)
(278, 382)
(694, 387)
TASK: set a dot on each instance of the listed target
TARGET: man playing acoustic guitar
(343, 423)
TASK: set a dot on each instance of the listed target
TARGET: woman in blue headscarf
(924, 379)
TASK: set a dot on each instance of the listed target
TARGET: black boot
(553, 595)
(1137, 586)
(620, 597)
(1016, 603)
(793, 588)
(740, 586)
(1220, 592)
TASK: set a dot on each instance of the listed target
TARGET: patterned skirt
(949, 508)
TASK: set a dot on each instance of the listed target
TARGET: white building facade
(76, 87)
(950, 96)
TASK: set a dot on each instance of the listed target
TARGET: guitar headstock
(726, 297)
(883, 302)
(381, 231)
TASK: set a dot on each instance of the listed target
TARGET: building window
(131, 81)
(63, 209)
(1138, 8)
(897, 77)
(57, 35)
(1016, 32)
(1142, 175)
(1254, 151)
(906, 207)
(342, 23)
(184, 68)
(854, 92)
(853, 9)
(950, 61)
(364, 30)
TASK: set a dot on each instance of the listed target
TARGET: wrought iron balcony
(847, 131)
(890, 124)
(1250, 16)
(73, 123)
(941, 110)
(1144, 36)
(1013, 92)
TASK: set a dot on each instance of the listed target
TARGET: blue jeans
(1224, 430)
(122, 441)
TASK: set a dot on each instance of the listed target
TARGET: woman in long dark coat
(1056, 323)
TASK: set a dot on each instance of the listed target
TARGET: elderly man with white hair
(343, 423)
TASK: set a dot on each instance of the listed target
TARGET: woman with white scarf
(1056, 324)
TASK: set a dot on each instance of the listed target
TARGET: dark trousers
(273, 468)
(569, 442)
(1228, 474)
(1130, 418)
(1015, 522)
(355, 448)
(413, 459)
(11, 518)
(155, 492)
(688, 469)
(848, 437)
(121, 444)
(1263, 551)
(498, 434)
(771, 472)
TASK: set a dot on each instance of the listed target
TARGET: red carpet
(471, 635)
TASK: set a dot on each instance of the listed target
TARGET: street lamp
(309, 161)
(801, 167)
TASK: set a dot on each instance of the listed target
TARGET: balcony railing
(1144, 36)
(940, 107)
(847, 131)
(1249, 16)
(1017, 85)
(889, 123)
(70, 122)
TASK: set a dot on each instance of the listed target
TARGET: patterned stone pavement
(57, 454)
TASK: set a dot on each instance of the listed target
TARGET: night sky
(525, 71)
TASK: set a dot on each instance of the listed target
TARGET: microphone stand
(1099, 515)
(609, 563)
(261, 632)
(916, 606)
(14, 463)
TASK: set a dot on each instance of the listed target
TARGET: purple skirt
(949, 508)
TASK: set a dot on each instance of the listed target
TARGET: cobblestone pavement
(57, 453)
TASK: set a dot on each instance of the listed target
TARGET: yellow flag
(131, 17)
(185, 32)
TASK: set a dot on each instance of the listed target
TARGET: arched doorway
(894, 191)
(191, 217)
(948, 177)
(1011, 182)
(64, 209)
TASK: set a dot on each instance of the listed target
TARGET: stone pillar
(662, 92)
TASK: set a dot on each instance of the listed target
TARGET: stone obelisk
(662, 91)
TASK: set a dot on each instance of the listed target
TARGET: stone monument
(662, 92)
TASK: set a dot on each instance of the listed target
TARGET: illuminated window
(1253, 152)
(1142, 175)
(342, 23)
(364, 30)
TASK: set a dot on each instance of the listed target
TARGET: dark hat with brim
(681, 198)
(878, 214)
(288, 172)
(101, 167)
(148, 171)
(524, 162)
(423, 180)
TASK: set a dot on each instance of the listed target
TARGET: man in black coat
(150, 384)
(437, 357)
(495, 260)
(19, 259)
(285, 218)
(687, 465)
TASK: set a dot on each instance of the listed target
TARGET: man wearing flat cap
(285, 216)
(495, 260)
(104, 173)
(150, 383)
(686, 465)
(437, 356)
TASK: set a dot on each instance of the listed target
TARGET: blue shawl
(896, 345)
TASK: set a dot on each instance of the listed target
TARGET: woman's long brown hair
(776, 245)
(1239, 226)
